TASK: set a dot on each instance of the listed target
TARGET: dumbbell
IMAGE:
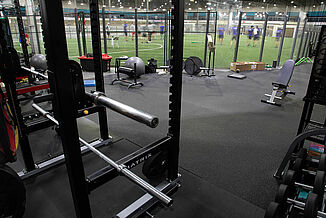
(283, 197)
(291, 176)
(299, 165)
(310, 208)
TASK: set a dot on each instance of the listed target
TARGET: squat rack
(57, 56)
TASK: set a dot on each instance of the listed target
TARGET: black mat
(231, 140)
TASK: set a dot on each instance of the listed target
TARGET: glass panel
(194, 34)
(288, 39)
(274, 33)
(251, 32)
(151, 39)
(228, 21)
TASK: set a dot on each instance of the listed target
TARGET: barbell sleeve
(133, 113)
(119, 167)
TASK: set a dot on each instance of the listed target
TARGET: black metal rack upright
(21, 32)
(316, 94)
(57, 56)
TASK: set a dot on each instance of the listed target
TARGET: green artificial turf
(193, 46)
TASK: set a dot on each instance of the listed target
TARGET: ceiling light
(82, 3)
(295, 6)
(314, 6)
(292, 2)
(274, 5)
(104, 6)
(262, 7)
(69, 3)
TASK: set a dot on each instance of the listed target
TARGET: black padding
(125, 70)
(78, 83)
(43, 98)
(285, 74)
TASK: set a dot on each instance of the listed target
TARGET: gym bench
(281, 84)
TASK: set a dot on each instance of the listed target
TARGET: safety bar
(119, 167)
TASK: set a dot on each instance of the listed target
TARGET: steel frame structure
(57, 56)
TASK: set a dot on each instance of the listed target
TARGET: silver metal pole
(119, 167)
(282, 41)
(302, 37)
(133, 113)
(263, 38)
(295, 38)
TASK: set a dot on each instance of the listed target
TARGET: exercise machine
(57, 56)
(281, 84)
(134, 67)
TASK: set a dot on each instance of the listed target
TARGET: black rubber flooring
(231, 144)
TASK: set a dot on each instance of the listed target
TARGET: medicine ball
(39, 62)
(140, 66)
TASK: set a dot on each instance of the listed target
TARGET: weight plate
(155, 166)
(312, 205)
(193, 65)
(319, 184)
(12, 193)
(284, 192)
(298, 165)
(289, 177)
(273, 211)
(322, 162)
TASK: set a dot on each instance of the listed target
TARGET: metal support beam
(97, 57)
(206, 33)
(177, 27)
(215, 37)
(263, 38)
(22, 33)
(104, 32)
(236, 49)
(282, 41)
(136, 29)
(295, 38)
(37, 35)
(78, 33)
(57, 56)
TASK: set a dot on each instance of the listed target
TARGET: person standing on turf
(162, 30)
(250, 33)
(107, 28)
(133, 31)
(234, 35)
(256, 35)
(125, 26)
(278, 36)
(221, 31)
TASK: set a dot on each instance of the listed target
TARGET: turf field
(193, 46)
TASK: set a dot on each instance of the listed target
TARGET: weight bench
(132, 73)
(281, 84)
(114, 40)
